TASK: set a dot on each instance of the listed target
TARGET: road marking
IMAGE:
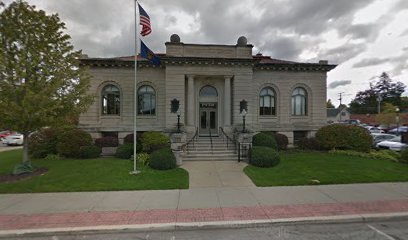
(381, 233)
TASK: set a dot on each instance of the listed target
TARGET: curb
(358, 218)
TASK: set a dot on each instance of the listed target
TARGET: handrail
(185, 145)
(233, 141)
(209, 130)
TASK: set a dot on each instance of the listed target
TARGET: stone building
(210, 82)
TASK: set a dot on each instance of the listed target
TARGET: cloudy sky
(364, 37)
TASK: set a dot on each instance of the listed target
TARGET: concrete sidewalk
(62, 210)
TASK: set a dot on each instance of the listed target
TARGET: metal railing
(228, 139)
(192, 141)
(209, 130)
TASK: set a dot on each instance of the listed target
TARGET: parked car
(5, 133)
(379, 137)
(374, 129)
(352, 121)
(14, 139)
(398, 130)
(396, 146)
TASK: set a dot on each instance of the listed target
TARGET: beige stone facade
(187, 70)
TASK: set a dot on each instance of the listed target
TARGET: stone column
(190, 102)
(227, 101)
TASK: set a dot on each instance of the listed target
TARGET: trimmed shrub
(264, 139)
(128, 138)
(264, 156)
(308, 144)
(344, 137)
(282, 141)
(143, 158)
(162, 159)
(108, 141)
(70, 142)
(43, 142)
(52, 157)
(124, 151)
(382, 154)
(152, 141)
(404, 156)
(91, 151)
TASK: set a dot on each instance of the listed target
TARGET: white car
(374, 129)
(396, 146)
(14, 139)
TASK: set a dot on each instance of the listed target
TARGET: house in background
(335, 115)
(211, 82)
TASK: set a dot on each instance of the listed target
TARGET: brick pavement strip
(263, 212)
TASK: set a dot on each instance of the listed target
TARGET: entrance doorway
(208, 119)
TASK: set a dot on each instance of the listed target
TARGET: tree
(390, 92)
(41, 83)
(329, 104)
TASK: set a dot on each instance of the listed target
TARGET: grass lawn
(300, 168)
(103, 174)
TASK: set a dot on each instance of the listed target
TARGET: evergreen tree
(390, 92)
(329, 104)
(41, 83)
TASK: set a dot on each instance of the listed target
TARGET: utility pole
(340, 97)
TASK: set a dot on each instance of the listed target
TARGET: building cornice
(182, 61)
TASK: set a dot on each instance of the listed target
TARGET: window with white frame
(267, 102)
(110, 100)
(146, 101)
(299, 102)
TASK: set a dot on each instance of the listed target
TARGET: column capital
(190, 76)
(228, 76)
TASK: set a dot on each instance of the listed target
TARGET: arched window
(208, 91)
(146, 101)
(299, 102)
(267, 102)
(110, 100)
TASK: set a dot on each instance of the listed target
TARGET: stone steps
(202, 151)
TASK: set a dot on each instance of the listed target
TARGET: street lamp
(397, 119)
(243, 114)
(178, 121)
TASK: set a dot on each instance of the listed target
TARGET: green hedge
(344, 137)
(265, 140)
(264, 156)
(70, 142)
(124, 151)
(308, 144)
(404, 156)
(43, 142)
(282, 141)
(162, 159)
(152, 141)
(90, 151)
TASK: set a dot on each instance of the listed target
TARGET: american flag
(145, 22)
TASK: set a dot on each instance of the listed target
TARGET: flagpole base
(134, 172)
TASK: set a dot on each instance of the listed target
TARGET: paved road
(384, 230)
(4, 147)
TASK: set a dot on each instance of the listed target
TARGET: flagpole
(135, 171)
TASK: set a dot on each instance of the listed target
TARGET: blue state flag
(148, 54)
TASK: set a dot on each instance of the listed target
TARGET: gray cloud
(398, 63)
(366, 62)
(339, 83)
(281, 28)
(404, 33)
